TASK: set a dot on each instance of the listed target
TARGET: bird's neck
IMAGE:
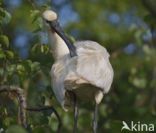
(58, 46)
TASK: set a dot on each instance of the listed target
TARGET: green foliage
(132, 95)
(36, 18)
(5, 16)
(4, 41)
(15, 128)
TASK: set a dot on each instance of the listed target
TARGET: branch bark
(21, 100)
(23, 106)
(39, 109)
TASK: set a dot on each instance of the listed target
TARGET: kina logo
(138, 126)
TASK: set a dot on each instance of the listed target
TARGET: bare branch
(23, 106)
(21, 99)
(39, 109)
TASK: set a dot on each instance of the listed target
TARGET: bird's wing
(58, 74)
(93, 65)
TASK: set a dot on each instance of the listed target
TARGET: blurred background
(126, 28)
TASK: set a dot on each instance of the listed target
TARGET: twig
(32, 4)
(39, 109)
(21, 99)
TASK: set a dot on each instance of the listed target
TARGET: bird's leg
(95, 118)
(76, 113)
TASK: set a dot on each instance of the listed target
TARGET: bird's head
(49, 16)
(51, 19)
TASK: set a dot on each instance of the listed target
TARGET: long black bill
(57, 28)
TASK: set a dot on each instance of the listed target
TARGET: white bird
(81, 72)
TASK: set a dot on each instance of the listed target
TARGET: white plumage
(89, 74)
(81, 72)
(49, 15)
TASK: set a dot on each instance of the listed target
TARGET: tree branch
(23, 106)
(21, 99)
(39, 109)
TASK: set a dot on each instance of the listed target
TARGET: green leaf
(34, 48)
(7, 17)
(35, 14)
(4, 41)
(2, 54)
(15, 129)
(46, 49)
(8, 121)
(39, 25)
(27, 65)
(42, 48)
(72, 39)
(37, 29)
(11, 69)
(35, 66)
(139, 82)
(20, 68)
(9, 54)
